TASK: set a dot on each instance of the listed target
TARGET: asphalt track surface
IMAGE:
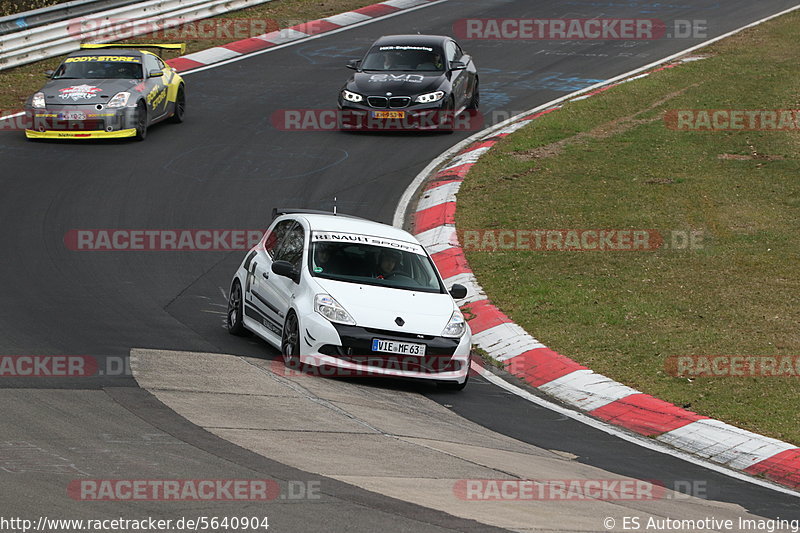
(226, 167)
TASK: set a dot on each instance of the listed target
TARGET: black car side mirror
(354, 64)
(458, 291)
(155, 73)
(457, 65)
(49, 73)
(287, 270)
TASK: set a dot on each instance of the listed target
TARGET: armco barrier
(50, 14)
(63, 37)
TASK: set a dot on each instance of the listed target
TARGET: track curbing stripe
(307, 29)
(553, 373)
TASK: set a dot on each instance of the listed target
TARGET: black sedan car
(409, 82)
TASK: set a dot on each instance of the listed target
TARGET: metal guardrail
(140, 18)
(56, 13)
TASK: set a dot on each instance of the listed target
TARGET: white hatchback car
(343, 293)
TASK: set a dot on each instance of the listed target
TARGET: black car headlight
(351, 96)
(429, 98)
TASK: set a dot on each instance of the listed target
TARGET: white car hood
(378, 307)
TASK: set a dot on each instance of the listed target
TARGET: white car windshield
(370, 264)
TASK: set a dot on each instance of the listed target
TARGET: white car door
(292, 250)
(259, 292)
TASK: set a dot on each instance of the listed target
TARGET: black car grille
(378, 101)
(399, 101)
(395, 102)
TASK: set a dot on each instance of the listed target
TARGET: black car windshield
(404, 58)
(369, 264)
(88, 68)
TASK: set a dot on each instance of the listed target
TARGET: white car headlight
(430, 97)
(38, 101)
(325, 305)
(119, 100)
(456, 327)
(352, 97)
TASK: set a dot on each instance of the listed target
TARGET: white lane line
(624, 435)
(312, 37)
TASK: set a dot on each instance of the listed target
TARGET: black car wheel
(290, 341)
(180, 106)
(475, 101)
(141, 121)
(447, 119)
(235, 314)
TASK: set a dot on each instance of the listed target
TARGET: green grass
(8, 7)
(17, 84)
(617, 165)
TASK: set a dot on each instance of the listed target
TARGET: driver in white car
(387, 262)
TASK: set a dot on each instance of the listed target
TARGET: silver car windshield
(373, 265)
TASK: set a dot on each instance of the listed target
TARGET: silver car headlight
(456, 327)
(325, 305)
(430, 97)
(351, 96)
(119, 100)
(38, 101)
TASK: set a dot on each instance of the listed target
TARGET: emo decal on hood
(408, 78)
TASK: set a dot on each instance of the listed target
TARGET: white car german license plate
(404, 348)
(74, 115)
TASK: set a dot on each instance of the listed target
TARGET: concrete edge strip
(142, 403)
(555, 374)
